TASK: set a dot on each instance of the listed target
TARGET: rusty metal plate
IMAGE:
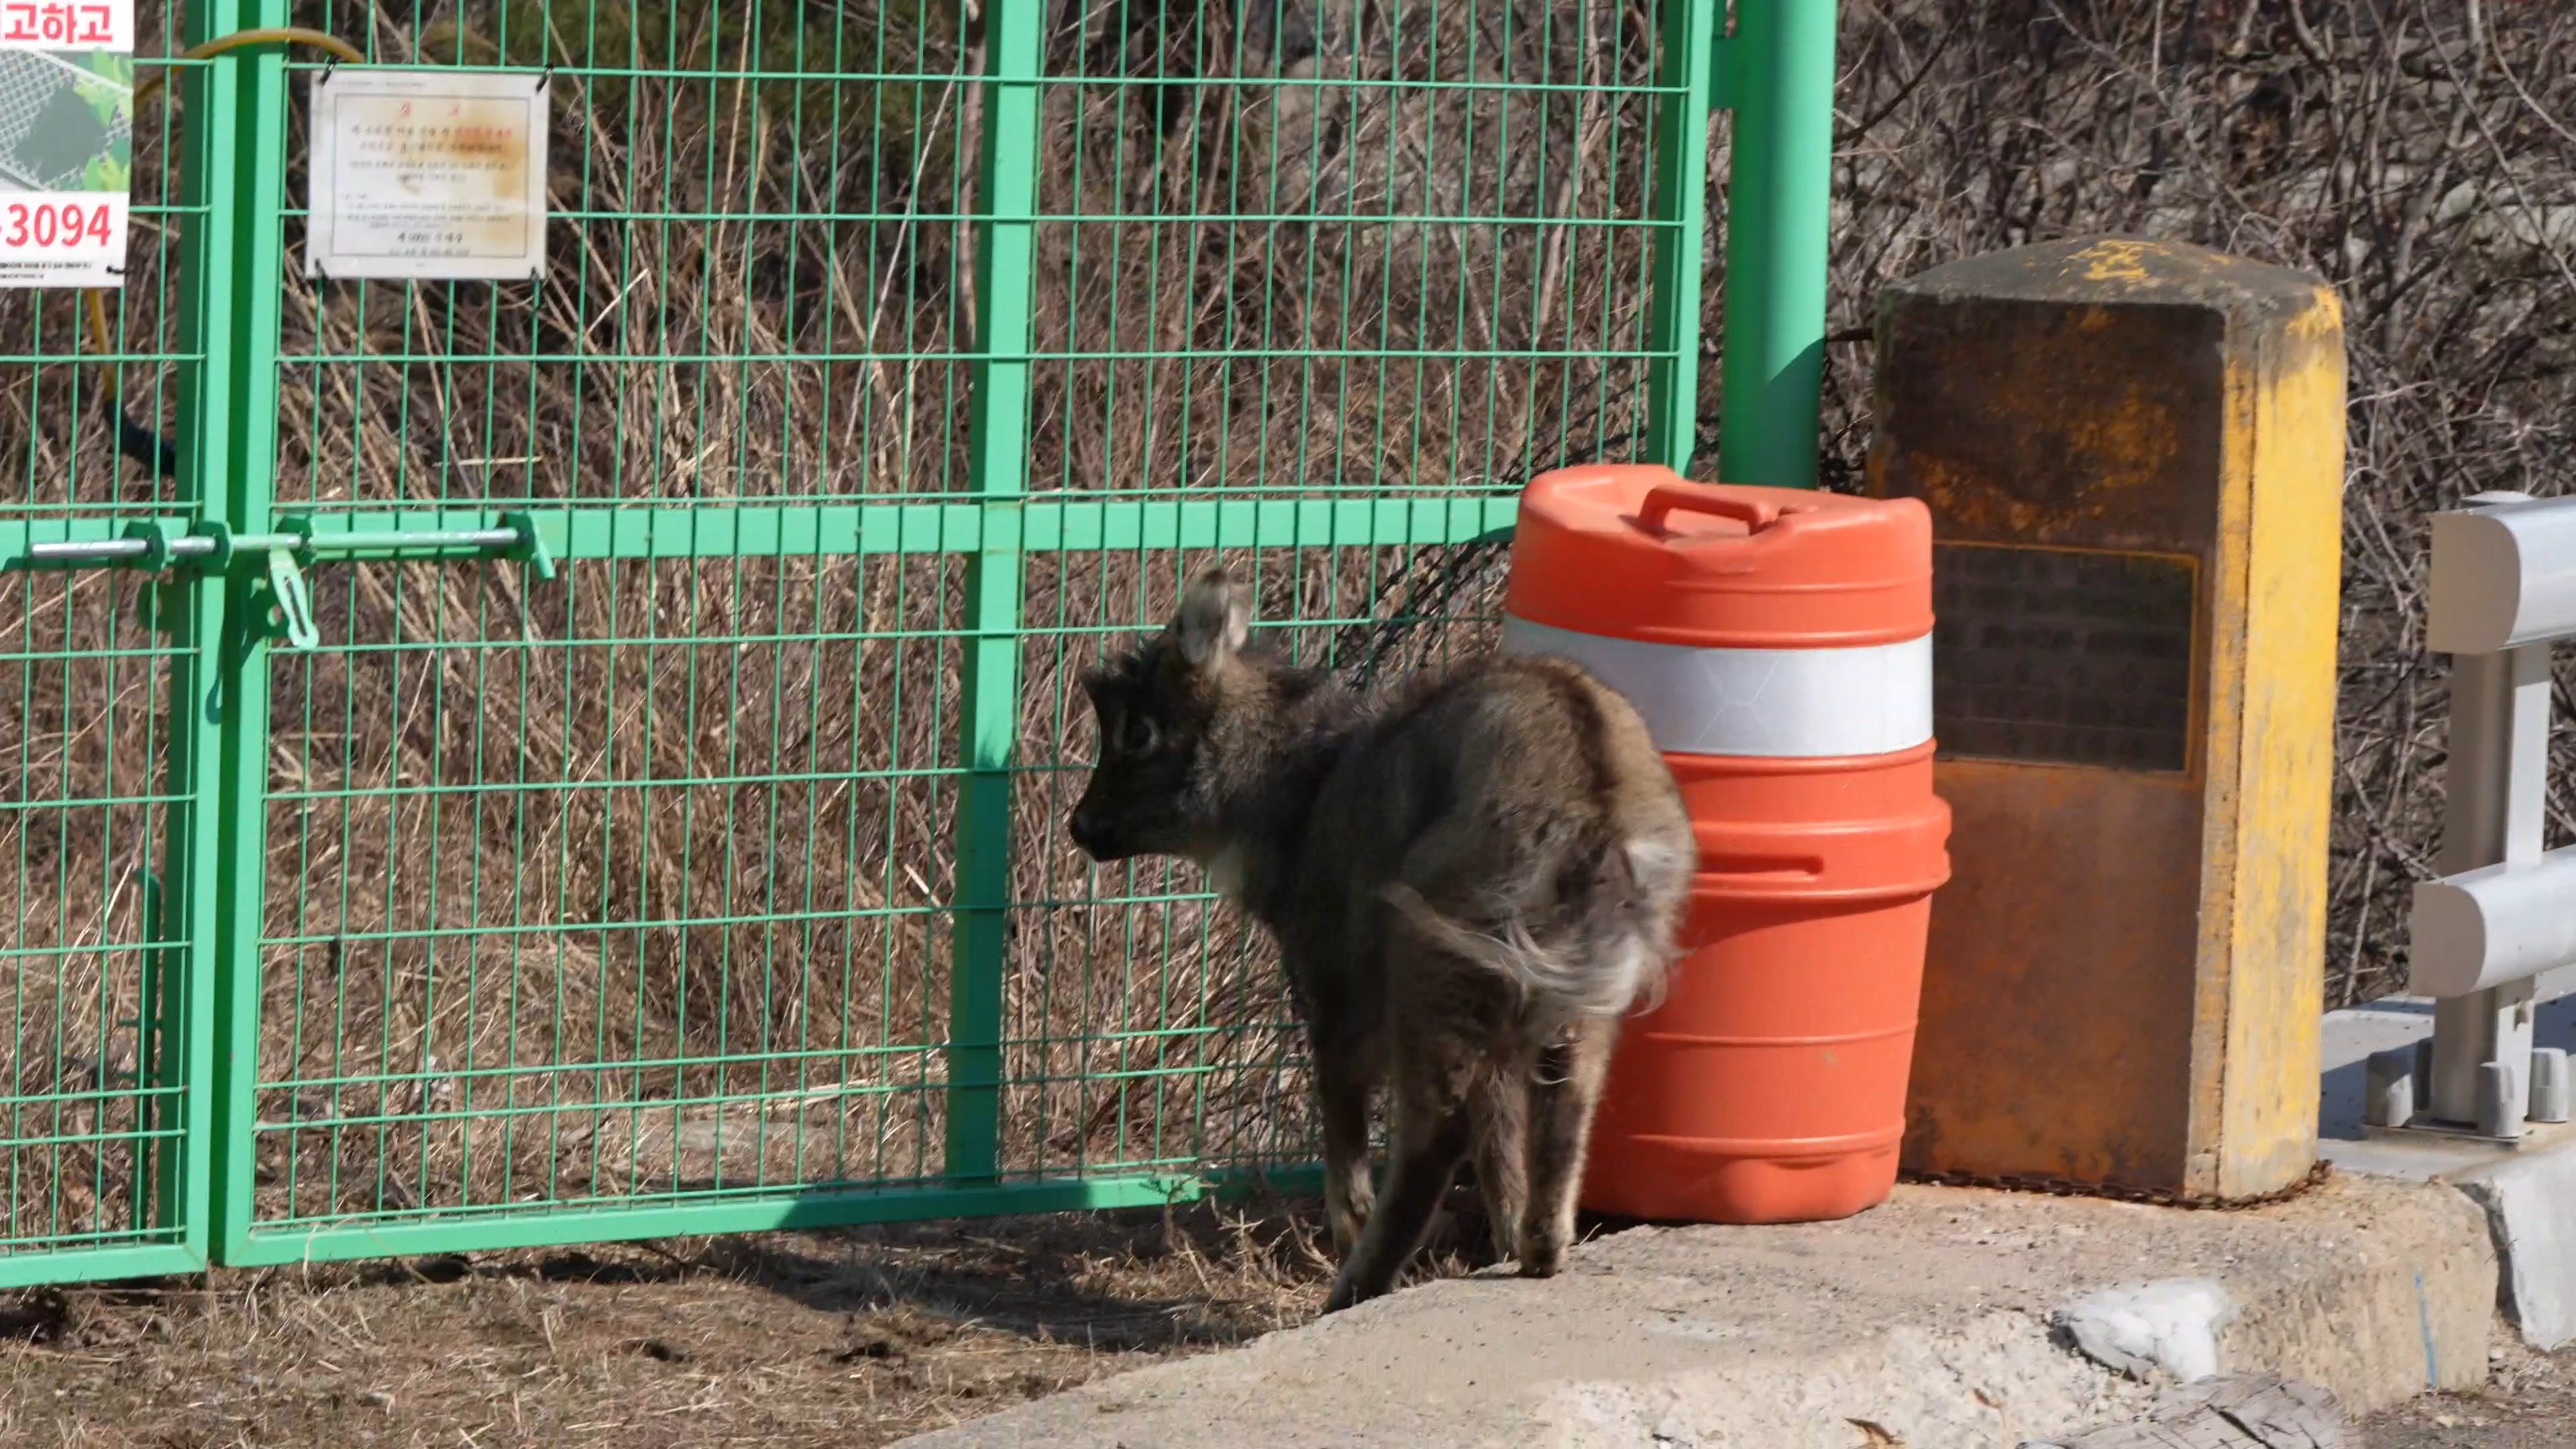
(2063, 656)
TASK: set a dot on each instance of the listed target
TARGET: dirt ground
(852, 1338)
(844, 1338)
(2529, 1402)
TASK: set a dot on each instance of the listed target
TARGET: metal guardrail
(2504, 910)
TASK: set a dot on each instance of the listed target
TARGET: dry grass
(2418, 154)
(639, 883)
(845, 1339)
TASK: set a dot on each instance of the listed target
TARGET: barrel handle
(1665, 499)
(1740, 871)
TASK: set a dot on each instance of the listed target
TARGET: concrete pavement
(1940, 1319)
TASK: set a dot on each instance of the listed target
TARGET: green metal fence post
(1690, 53)
(990, 704)
(1274, 409)
(192, 900)
(1778, 192)
(244, 120)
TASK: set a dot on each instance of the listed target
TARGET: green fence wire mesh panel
(894, 359)
(890, 366)
(99, 1075)
(629, 893)
(636, 899)
(1310, 251)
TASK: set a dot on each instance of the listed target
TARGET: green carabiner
(291, 601)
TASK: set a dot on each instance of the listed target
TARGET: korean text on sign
(66, 179)
(66, 25)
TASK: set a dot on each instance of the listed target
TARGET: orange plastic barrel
(1778, 644)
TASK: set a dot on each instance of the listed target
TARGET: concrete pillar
(2133, 453)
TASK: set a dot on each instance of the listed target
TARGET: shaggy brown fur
(1470, 879)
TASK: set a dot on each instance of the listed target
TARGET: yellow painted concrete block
(2133, 452)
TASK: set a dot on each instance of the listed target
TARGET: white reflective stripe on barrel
(1775, 703)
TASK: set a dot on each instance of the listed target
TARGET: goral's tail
(1600, 963)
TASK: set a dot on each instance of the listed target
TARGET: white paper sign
(417, 174)
(66, 141)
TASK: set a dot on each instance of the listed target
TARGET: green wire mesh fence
(95, 1105)
(894, 358)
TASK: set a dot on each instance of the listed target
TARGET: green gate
(582, 758)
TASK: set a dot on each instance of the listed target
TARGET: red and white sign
(64, 193)
(62, 238)
(62, 226)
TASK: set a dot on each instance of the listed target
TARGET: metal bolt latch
(282, 597)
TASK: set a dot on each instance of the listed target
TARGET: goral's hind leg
(1342, 1083)
(1501, 1108)
(1432, 1077)
(1562, 1095)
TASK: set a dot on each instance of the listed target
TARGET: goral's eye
(1136, 735)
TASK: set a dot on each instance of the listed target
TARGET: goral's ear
(1214, 620)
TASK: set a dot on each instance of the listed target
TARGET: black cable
(142, 444)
